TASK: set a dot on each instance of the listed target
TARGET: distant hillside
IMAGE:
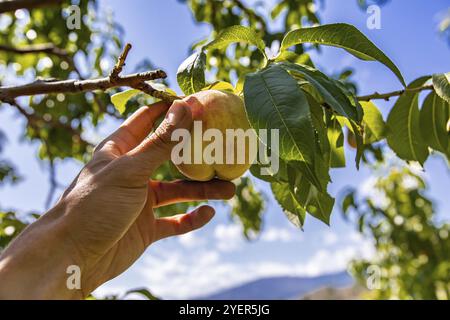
(346, 293)
(282, 287)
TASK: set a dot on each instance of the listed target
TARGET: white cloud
(330, 238)
(229, 236)
(368, 190)
(177, 275)
(356, 237)
(195, 269)
(279, 235)
(191, 240)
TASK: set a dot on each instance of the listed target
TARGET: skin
(104, 221)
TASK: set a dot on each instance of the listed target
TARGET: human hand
(104, 221)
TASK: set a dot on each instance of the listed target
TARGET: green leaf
(293, 57)
(292, 209)
(318, 204)
(318, 120)
(343, 36)
(336, 141)
(349, 201)
(441, 83)
(322, 156)
(332, 94)
(255, 170)
(119, 100)
(403, 125)
(248, 206)
(278, 9)
(222, 86)
(373, 123)
(274, 101)
(143, 292)
(434, 116)
(359, 142)
(356, 130)
(191, 73)
(236, 34)
(280, 176)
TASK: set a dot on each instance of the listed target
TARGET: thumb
(156, 149)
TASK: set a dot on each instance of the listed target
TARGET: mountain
(282, 287)
(345, 293)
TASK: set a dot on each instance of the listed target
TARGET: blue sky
(217, 256)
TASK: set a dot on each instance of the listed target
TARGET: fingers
(155, 150)
(165, 193)
(133, 130)
(183, 223)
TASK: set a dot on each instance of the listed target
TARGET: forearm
(35, 264)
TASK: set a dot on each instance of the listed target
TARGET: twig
(51, 177)
(141, 85)
(387, 96)
(48, 48)
(251, 14)
(13, 5)
(148, 89)
(114, 75)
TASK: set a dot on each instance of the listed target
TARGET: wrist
(39, 262)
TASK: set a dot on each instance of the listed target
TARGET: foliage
(10, 227)
(56, 121)
(248, 207)
(310, 109)
(237, 61)
(412, 247)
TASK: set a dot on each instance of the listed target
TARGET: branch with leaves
(286, 93)
(114, 80)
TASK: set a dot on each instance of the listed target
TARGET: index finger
(134, 129)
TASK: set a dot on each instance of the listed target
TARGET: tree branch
(48, 48)
(251, 14)
(53, 182)
(114, 80)
(13, 5)
(387, 96)
(45, 86)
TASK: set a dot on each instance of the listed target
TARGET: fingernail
(175, 114)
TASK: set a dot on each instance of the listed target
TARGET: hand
(104, 221)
